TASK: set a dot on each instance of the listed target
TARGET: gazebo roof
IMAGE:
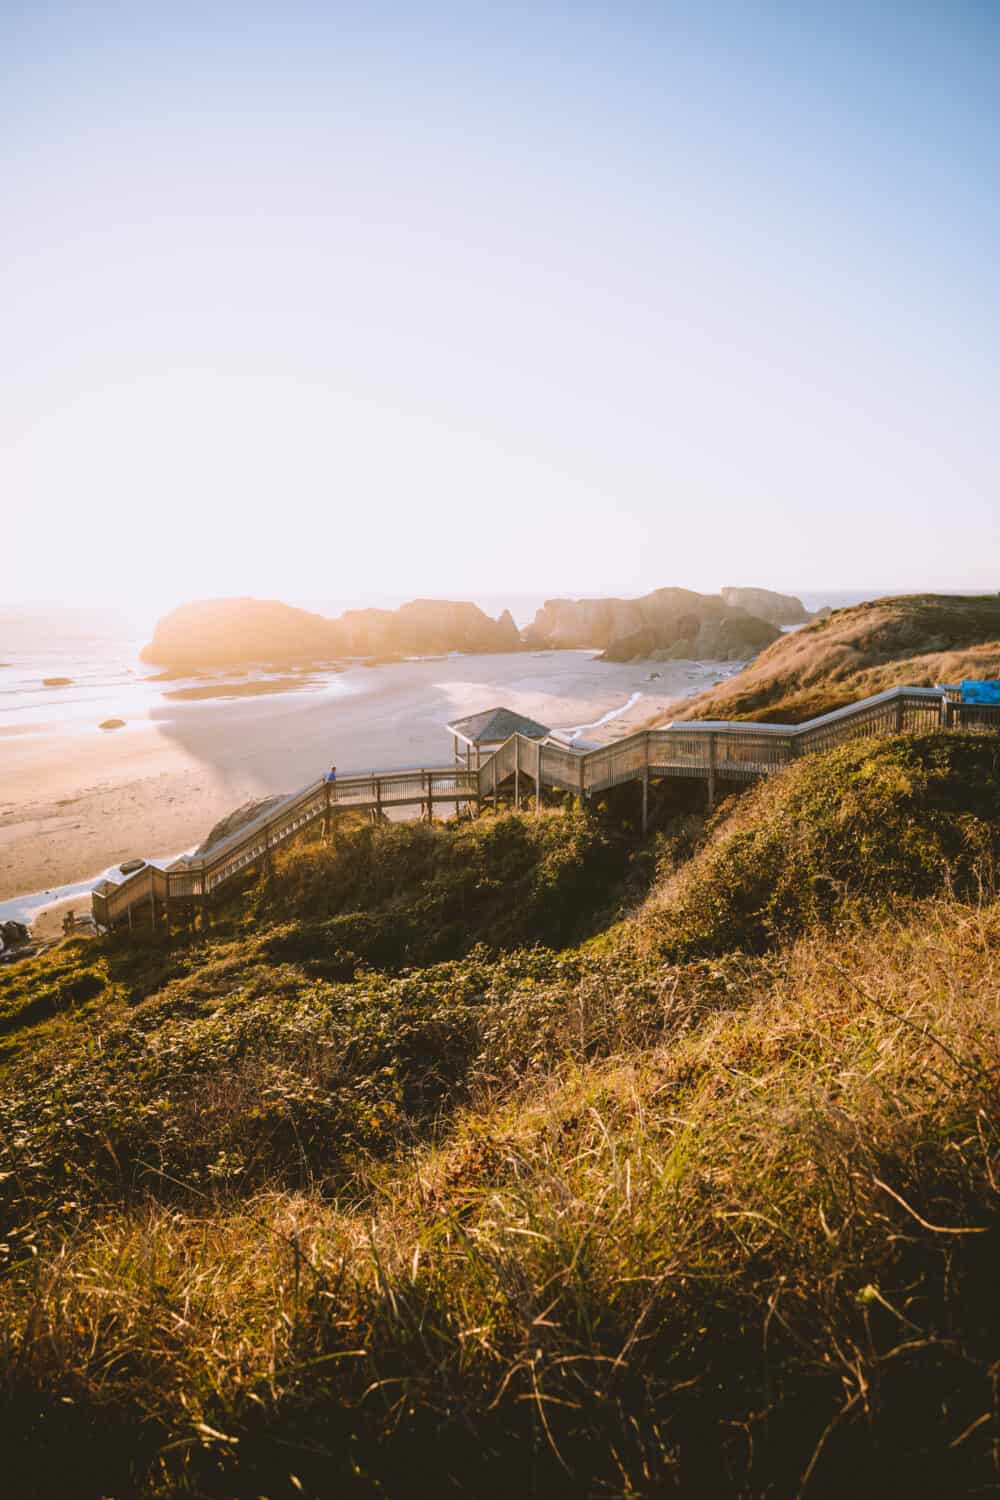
(494, 725)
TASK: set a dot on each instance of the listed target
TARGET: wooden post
(430, 803)
(899, 715)
(538, 781)
(495, 781)
(517, 774)
(378, 797)
(327, 818)
(583, 789)
(645, 799)
(711, 772)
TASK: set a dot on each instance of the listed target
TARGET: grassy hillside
(917, 639)
(836, 837)
(704, 1203)
(410, 893)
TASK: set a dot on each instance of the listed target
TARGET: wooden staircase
(713, 752)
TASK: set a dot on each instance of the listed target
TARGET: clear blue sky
(337, 300)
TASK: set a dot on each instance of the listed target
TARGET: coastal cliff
(230, 632)
(227, 632)
(918, 639)
(425, 627)
(777, 609)
(668, 624)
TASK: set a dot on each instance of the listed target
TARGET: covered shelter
(478, 735)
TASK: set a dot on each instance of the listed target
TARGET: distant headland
(668, 624)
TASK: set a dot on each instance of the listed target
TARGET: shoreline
(76, 799)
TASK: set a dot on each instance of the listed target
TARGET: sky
(373, 299)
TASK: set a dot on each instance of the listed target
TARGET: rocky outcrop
(224, 632)
(565, 623)
(425, 627)
(664, 625)
(777, 609)
(13, 935)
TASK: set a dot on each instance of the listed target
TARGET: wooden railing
(194, 877)
(708, 750)
(724, 750)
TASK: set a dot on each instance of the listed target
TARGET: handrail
(195, 876)
(726, 749)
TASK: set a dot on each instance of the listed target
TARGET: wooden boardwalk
(704, 750)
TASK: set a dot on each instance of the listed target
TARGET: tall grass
(705, 1205)
(748, 1250)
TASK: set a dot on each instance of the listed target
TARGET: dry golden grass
(915, 640)
(739, 1241)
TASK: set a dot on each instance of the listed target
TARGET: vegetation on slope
(411, 893)
(917, 639)
(693, 1209)
(834, 838)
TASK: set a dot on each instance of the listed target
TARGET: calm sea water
(98, 649)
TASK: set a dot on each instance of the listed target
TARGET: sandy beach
(74, 800)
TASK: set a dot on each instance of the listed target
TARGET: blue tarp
(974, 691)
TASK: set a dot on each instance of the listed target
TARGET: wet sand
(75, 801)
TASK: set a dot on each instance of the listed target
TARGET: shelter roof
(494, 725)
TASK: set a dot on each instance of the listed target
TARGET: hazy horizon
(314, 301)
(123, 618)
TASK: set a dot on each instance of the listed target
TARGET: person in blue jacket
(331, 775)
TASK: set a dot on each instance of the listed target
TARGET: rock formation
(224, 632)
(666, 624)
(13, 935)
(425, 627)
(778, 609)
